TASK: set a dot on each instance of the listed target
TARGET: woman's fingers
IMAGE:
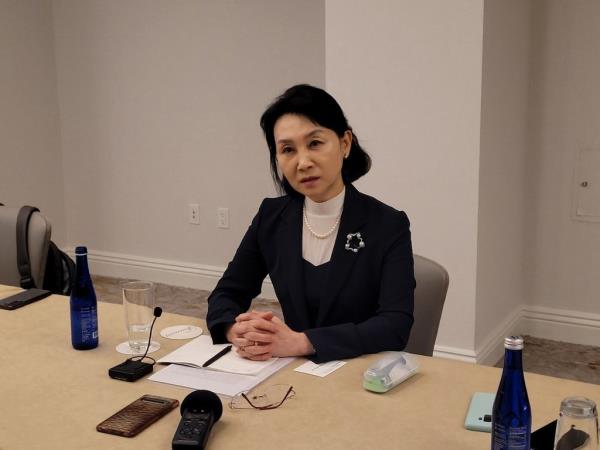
(260, 357)
(252, 338)
(263, 324)
(255, 352)
(266, 315)
(260, 337)
(257, 349)
(241, 342)
(260, 325)
(257, 333)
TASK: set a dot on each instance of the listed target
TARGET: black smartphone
(23, 298)
(543, 438)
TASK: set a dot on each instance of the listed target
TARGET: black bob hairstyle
(321, 109)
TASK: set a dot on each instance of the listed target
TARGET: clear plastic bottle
(511, 414)
(84, 307)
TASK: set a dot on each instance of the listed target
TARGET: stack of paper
(229, 375)
(195, 353)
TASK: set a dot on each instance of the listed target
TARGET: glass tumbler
(577, 426)
(138, 304)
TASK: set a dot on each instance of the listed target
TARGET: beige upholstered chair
(430, 294)
(38, 241)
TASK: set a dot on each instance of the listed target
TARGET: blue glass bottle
(84, 308)
(511, 414)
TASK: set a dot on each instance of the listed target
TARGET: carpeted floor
(561, 359)
(173, 299)
(543, 356)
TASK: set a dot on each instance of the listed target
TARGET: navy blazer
(368, 301)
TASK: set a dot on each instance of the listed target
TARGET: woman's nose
(304, 160)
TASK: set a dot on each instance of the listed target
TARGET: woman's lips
(309, 181)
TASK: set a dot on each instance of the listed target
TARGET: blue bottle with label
(511, 414)
(84, 307)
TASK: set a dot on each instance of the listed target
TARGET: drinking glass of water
(577, 426)
(138, 303)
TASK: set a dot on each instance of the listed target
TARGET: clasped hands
(259, 335)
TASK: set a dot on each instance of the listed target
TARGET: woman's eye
(286, 149)
(315, 143)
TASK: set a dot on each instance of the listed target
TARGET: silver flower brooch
(354, 242)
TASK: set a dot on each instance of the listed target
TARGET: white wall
(505, 144)
(30, 159)
(564, 256)
(160, 103)
(408, 75)
(473, 115)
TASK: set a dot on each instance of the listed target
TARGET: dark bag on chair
(60, 271)
(60, 268)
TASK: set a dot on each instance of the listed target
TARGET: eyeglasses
(270, 398)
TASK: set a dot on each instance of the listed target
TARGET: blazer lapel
(290, 243)
(354, 216)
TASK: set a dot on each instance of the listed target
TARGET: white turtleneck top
(321, 217)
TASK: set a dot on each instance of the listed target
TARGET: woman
(340, 261)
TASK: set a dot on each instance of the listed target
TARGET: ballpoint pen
(217, 356)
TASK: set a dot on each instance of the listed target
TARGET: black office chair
(38, 240)
(430, 294)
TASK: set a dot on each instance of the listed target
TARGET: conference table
(52, 396)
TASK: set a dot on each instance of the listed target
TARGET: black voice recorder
(199, 412)
(130, 370)
(135, 368)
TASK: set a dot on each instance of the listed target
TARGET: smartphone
(23, 298)
(138, 415)
(479, 415)
(543, 438)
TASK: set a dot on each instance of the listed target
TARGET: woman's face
(310, 156)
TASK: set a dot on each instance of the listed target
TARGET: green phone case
(479, 415)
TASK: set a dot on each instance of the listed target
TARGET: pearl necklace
(313, 232)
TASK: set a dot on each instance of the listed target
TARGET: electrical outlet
(194, 213)
(223, 218)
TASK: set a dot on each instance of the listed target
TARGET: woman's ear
(347, 143)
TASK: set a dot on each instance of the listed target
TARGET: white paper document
(196, 352)
(319, 370)
(220, 382)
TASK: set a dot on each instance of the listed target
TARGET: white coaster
(181, 332)
(124, 348)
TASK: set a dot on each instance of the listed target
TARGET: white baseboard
(492, 349)
(576, 327)
(457, 353)
(176, 273)
(550, 323)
